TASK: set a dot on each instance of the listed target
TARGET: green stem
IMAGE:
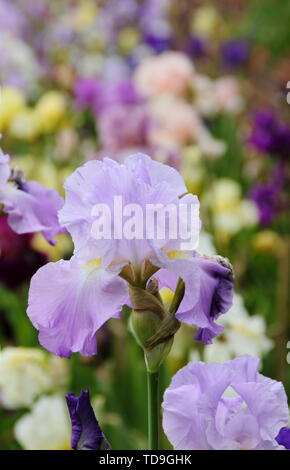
(153, 410)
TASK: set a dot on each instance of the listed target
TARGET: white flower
(26, 373)
(243, 334)
(46, 427)
(18, 63)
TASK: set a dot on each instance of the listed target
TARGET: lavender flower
(70, 300)
(122, 127)
(30, 206)
(87, 92)
(86, 431)
(226, 406)
(10, 18)
(99, 95)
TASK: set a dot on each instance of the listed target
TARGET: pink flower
(227, 95)
(170, 72)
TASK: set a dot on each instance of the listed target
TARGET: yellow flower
(12, 101)
(24, 125)
(207, 22)
(191, 168)
(229, 211)
(50, 111)
(85, 14)
(128, 39)
(268, 241)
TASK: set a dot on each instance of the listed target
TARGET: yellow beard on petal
(178, 254)
(93, 264)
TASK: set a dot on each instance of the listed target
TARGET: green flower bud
(147, 316)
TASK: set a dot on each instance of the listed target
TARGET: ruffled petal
(69, 301)
(208, 292)
(33, 208)
(139, 185)
(153, 173)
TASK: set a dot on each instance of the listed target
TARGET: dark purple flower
(159, 43)
(18, 261)
(268, 197)
(235, 52)
(196, 47)
(269, 134)
(283, 438)
(86, 431)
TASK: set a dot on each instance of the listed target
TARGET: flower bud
(147, 315)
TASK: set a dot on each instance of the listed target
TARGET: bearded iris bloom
(70, 300)
(227, 406)
(31, 207)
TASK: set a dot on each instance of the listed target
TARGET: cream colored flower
(230, 213)
(26, 373)
(24, 125)
(243, 334)
(46, 427)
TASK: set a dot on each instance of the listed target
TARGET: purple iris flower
(235, 52)
(99, 95)
(86, 431)
(270, 135)
(227, 406)
(31, 207)
(268, 197)
(196, 46)
(123, 127)
(11, 18)
(87, 92)
(158, 43)
(70, 300)
(283, 438)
